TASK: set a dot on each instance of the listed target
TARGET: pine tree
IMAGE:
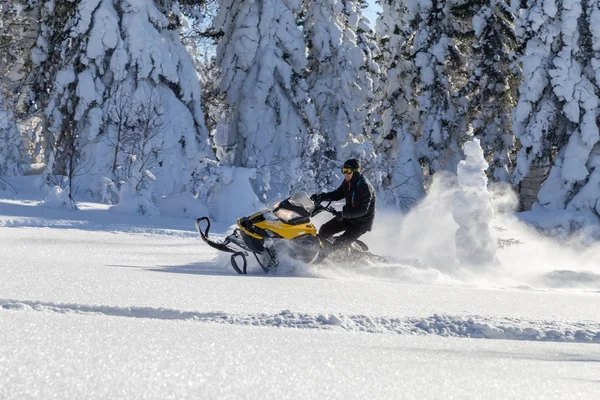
(368, 41)
(334, 61)
(261, 54)
(536, 119)
(18, 24)
(369, 79)
(555, 119)
(438, 61)
(403, 178)
(492, 42)
(11, 148)
(113, 77)
(573, 182)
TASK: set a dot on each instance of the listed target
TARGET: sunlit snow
(97, 304)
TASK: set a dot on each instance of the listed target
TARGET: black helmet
(352, 163)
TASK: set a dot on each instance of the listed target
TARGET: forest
(138, 100)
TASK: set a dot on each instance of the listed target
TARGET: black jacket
(360, 201)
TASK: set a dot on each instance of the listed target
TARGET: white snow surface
(97, 305)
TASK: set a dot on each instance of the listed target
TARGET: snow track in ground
(90, 226)
(438, 325)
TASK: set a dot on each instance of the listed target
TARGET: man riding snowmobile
(356, 217)
(286, 227)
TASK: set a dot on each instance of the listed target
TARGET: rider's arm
(361, 202)
(337, 194)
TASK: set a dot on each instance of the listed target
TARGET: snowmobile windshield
(300, 199)
(295, 209)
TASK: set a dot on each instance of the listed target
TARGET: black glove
(316, 198)
(339, 215)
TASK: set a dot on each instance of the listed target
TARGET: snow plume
(448, 231)
(472, 210)
(556, 249)
(424, 237)
(529, 250)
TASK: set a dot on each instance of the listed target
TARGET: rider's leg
(326, 232)
(332, 227)
(351, 234)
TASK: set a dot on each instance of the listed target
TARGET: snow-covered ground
(95, 304)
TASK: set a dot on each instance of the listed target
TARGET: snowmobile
(285, 228)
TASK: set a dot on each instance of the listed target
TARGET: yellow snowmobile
(284, 228)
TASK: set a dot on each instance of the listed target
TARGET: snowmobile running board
(222, 246)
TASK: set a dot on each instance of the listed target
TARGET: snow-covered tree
(18, 27)
(492, 42)
(11, 144)
(262, 58)
(340, 82)
(213, 98)
(556, 117)
(574, 177)
(403, 178)
(97, 64)
(367, 40)
(536, 118)
(18, 24)
(472, 210)
(438, 62)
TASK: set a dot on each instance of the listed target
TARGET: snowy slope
(105, 305)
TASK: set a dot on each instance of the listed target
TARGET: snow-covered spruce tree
(367, 40)
(262, 58)
(369, 79)
(537, 124)
(11, 144)
(213, 99)
(472, 210)
(18, 24)
(403, 180)
(555, 119)
(18, 28)
(340, 83)
(574, 179)
(102, 66)
(438, 63)
(492, 41)
(201, 40)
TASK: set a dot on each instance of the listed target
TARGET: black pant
(334, 226)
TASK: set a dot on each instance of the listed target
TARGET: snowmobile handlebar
(320, 208)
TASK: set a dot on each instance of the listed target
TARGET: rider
(356, 217)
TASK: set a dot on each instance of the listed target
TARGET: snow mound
(438, 325)
(572, 279)
(181, 205)
(58, 199)
(563, 225)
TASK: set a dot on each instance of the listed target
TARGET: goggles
(348, 171)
